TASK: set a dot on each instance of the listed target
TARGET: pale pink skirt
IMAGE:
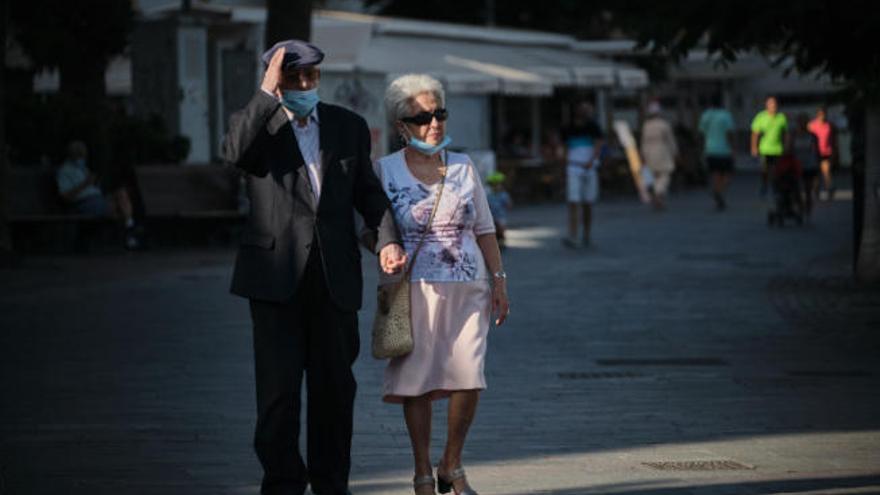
(450, 325)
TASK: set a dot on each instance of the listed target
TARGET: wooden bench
(183, 204)
(190, 204)
(40, 221)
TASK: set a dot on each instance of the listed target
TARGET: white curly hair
(404, 89)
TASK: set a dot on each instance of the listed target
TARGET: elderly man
(307, 167)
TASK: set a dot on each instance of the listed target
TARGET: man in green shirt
(769, 137)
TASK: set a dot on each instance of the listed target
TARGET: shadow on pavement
(139, 371)
(825, 486)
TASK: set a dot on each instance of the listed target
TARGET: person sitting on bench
(78, 187)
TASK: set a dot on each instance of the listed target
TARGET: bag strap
(427, 228)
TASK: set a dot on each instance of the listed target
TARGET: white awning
(632, 78)
(569, 68)
(509, 62)
(467, 67)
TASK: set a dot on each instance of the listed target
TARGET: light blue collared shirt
(308, 137)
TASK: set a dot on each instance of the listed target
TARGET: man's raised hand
(272, 77)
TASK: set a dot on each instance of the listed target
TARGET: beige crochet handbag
(392, 325)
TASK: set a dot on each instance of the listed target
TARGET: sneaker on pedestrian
(570, 243)
(720, 204)
(131, 242)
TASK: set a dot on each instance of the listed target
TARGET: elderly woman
(452, 298)
(659, 150)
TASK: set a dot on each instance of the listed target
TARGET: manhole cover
(698, 465)
(830, 373)
(663, 362)
(712, 256)
(605, 273)
(598, 375)
(197, 277)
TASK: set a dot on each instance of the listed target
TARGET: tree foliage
(78, 38)
(288, 19)
(835, 38)
(582, 18)
(54, 32)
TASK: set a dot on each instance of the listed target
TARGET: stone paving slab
(680, 337)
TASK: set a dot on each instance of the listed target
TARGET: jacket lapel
(328, 144)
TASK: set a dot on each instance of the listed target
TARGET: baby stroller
(786, 184)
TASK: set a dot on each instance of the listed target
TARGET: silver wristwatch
(500, 274)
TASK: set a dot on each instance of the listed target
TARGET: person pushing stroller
(785, 181)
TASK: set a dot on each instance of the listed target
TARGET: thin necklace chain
(441, 167)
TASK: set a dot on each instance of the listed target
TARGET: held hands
(392, 258)
(500, 303)
(272, 77)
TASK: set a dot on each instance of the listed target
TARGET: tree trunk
(868, 261)
(288, 19)
(5, 237)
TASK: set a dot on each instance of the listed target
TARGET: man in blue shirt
(583, 144)
(79, 187)
(716, 125)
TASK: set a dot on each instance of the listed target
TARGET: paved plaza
(685, 352)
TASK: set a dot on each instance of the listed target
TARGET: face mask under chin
(426, 148)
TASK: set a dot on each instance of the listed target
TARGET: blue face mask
(301, 103)
(428, 149)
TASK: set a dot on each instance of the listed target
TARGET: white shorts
(582, 185)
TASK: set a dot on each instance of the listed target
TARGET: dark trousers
(307, 335)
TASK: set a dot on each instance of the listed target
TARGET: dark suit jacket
(284, 220)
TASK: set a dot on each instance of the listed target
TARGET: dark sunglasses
(425, 118)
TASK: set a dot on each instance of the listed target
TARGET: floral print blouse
(450, 252)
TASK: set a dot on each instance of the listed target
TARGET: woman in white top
(452, 298)
(659, 150)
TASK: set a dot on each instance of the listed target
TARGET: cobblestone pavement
(687, 352)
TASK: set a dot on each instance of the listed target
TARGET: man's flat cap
(296, 54)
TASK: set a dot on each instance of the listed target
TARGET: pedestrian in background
(583, 145)
(825, 133)
(716, 125)
(769, 138)
(659, 151)
(79, 187)
(806, 149)
(499, 204)
(452, 299)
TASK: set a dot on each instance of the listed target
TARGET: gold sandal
(422, 481)
(444, 484)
